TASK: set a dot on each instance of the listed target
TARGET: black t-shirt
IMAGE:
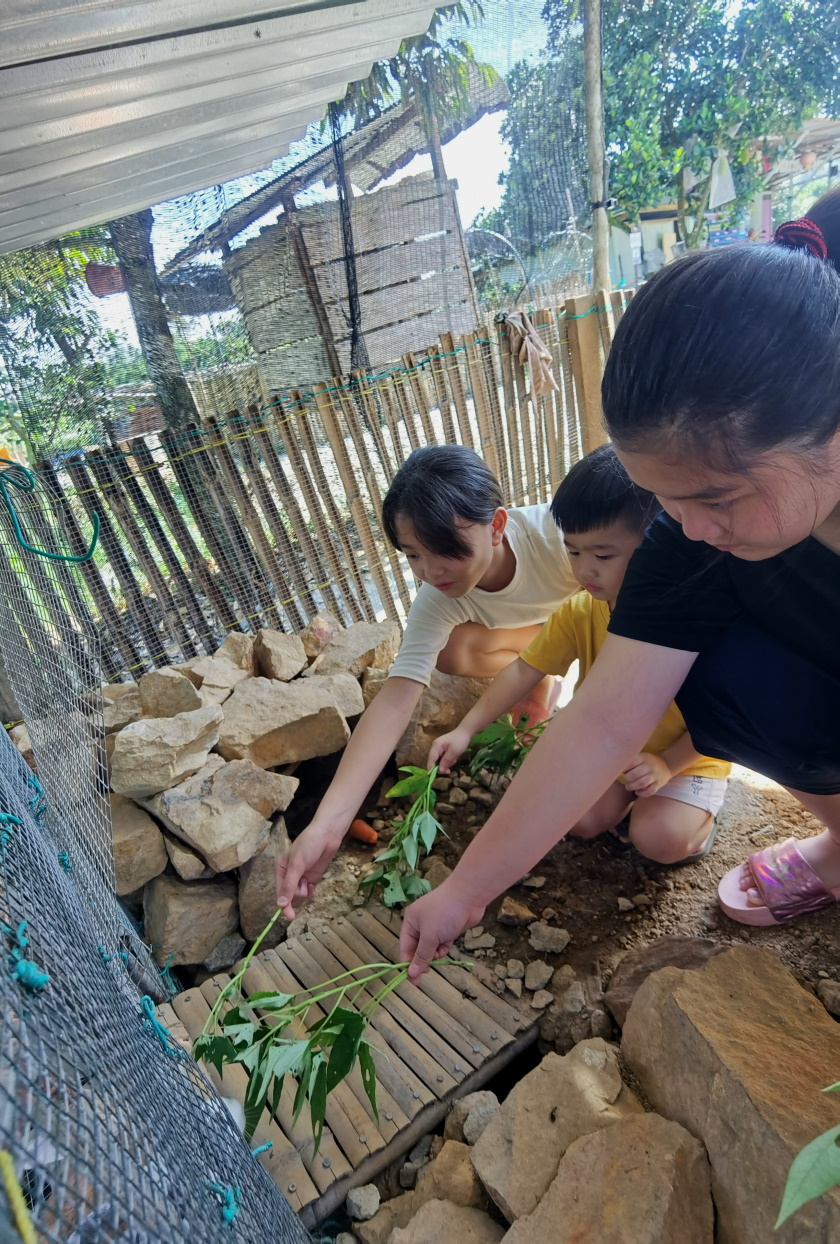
(682, 593)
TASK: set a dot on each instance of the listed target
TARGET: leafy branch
(397, 866)
(264, 1032)
(503, 746)
(814, 1170)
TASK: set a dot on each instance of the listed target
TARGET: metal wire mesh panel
(111, 1134)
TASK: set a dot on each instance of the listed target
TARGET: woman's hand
(431, 925)
(445, 751)
(301, 867)
(647, 774)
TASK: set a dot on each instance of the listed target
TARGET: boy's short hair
(437, 486)
(597, 492)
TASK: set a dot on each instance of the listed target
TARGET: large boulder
(139, 852)
(643, 1181)
(120, 705)
(357, 647)
(154, 753)
(518, 1154)
(441, 1220)
(279, 655)
(738, 1053)
(258, 888)
(344, 689)
(216, 673)
(223, 812)
(441, 707)
(188, 919)
(319, 631)
(240, 650)
(637, 965)
(166, 693)
(275, 723)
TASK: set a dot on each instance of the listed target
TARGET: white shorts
(701, 792)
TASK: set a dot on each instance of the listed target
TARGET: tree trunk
(132, 240)
(594, 107)
(432, 129)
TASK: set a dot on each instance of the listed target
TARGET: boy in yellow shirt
(672, 793)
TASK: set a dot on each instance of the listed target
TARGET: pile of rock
(731, 1056)
(201, 758)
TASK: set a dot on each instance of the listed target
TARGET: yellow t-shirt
(576, 632)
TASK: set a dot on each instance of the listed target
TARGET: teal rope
(229, 1198)
(7, 822)
(27, 974)
(37, 804)
(255, 1153)
(64, 861)
(23, 479)
(151, 1021)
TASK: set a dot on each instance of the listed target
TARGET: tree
(683, 81)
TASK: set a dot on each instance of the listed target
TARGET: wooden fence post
(587, 366)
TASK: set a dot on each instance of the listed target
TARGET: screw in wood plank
(439, 1079)
(340, 920)
(292, 1188)
(187, 997)
(415, 1094)
(308, 937)
(476, 1049)
(494, 1036)
(389, 1116)
(327, 1162)
(362, 1140)
(458, 1067)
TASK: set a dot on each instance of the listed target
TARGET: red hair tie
(802, 235)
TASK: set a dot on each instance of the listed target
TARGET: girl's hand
(301, 867)
(646, 775)
(445, 751)
(431, 925)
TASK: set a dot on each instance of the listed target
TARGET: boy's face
(453, 576)
(599, 558)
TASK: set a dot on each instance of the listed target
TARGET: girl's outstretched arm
(615, 711)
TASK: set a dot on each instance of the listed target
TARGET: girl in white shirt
(489, 579)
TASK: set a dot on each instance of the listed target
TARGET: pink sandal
(786, 882)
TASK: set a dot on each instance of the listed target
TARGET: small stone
(478, 795)
(362, 1203)
(420, 1152)
(437, 872)
(541, 999)
(442, 784)
(408, 1175)
(538, 974)
(188, 864)
(640, 900)
(321, 629)
(379, 825)
(479, 1116)
(344, 1237)
(514, 913)
(453, 1128)
(547, 940)
(457, 797)
(514, 986)
(600, 1025)
(444, 809)
(516, 969)
(549, 913)
(828, 992)
(500, 971)
(533, 883)
(477, 939)
(624, 904)
(225, 953)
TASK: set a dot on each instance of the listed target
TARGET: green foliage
(396, 874)
(264, 1034)
(680, 82)
(503, 746)
(815, 1170)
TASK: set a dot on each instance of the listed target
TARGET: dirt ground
(584, 880)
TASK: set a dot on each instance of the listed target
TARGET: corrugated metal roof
(107, 109)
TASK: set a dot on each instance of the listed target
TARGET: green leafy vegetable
(814, 1170)
(503, 746)
(399, 881)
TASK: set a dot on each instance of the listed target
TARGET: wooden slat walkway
(435, 1043)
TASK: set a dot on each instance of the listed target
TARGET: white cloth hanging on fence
(531, 351)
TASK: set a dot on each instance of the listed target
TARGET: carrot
(362, 832)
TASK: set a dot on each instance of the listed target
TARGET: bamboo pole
(456, 385)
(594, 111)
(585, 351)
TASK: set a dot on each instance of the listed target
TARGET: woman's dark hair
(732, 351)
(436, 487)
(597, 492)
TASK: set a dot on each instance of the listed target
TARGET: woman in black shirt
(722, 395)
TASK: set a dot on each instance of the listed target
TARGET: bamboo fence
(265, 516)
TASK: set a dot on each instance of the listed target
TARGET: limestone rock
(120, 705)
(167, 692)
(274, 723)
(547, 940)
(154, 753)
(541, 999)
(477, 939)
(354, 649)
(362, 1203)
(457, 797)
(828, 993)
(643, 1181)
(451, 1177)
(441, 707)
(223, 812)
(218, 672)
(513, 913)
(239, 650)
(209, 694)
(538, 974)
(187, 863)
(279, 656)
(224, 955)
(568, 1019)
(258, 889)
(334, 896)
(344, 689)
(514, 986)
(20, 737)
(453, 1128)
(518, 1154)
(478, 1118)
(437, 872)
(441, 1220)
(636, 966)
(737, 1052)
(373, 680)
(187, 919)
(319, 631)
(516, 969)
(139, 853)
